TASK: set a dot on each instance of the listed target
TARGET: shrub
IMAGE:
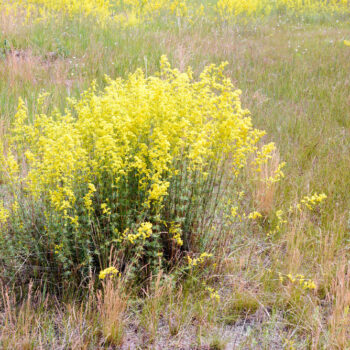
(141, 168)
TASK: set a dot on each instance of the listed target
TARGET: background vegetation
(278, 276)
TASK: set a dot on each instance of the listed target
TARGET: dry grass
(22, 67)
(10, 24)
(340, 317)
(153, 305)
(264, 190)
(20, 324)
(111, 307)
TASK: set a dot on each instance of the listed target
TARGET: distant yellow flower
(280, 277)
(234, 211)
(311, 201)
(213, 294)
(347, 42)
(199, 260)
(4, 213)
(109, 271)
(254, 215)
(291, 278)
(299, 279)
(309, 285)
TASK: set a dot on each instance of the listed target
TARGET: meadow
(174, 174)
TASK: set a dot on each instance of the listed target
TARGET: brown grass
(23, 67)
(340, 317)
(152, 307)
(264, 191)
(111, 306)
(19, 323)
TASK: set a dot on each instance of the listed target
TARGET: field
(142, 206)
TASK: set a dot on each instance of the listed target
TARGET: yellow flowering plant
(138, 166)
(128, 13)
(125, 12)
(297, 280)
(108, 272)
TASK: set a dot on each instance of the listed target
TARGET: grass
(294, 76)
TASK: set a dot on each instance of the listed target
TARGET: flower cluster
(197, 261)
(254, 215)
(213, 294)
(312, 201)
(143, 232)
(58, 248)
(4, 213)
(108, 272)
(299, 279)
(175, 233)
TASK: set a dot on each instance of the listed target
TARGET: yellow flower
(311, 201)
(58, 248)
(92, 188)
(213, 294)
(144, 231)
(199, 260)
(347, 42)
(254, 215)
(4, 213)
(108, 272)
(234, 211)
(88, 196)
(291, 278)
(280, 277)
(105, 209)
(300, 280)
(175, 232)
(309, 285)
